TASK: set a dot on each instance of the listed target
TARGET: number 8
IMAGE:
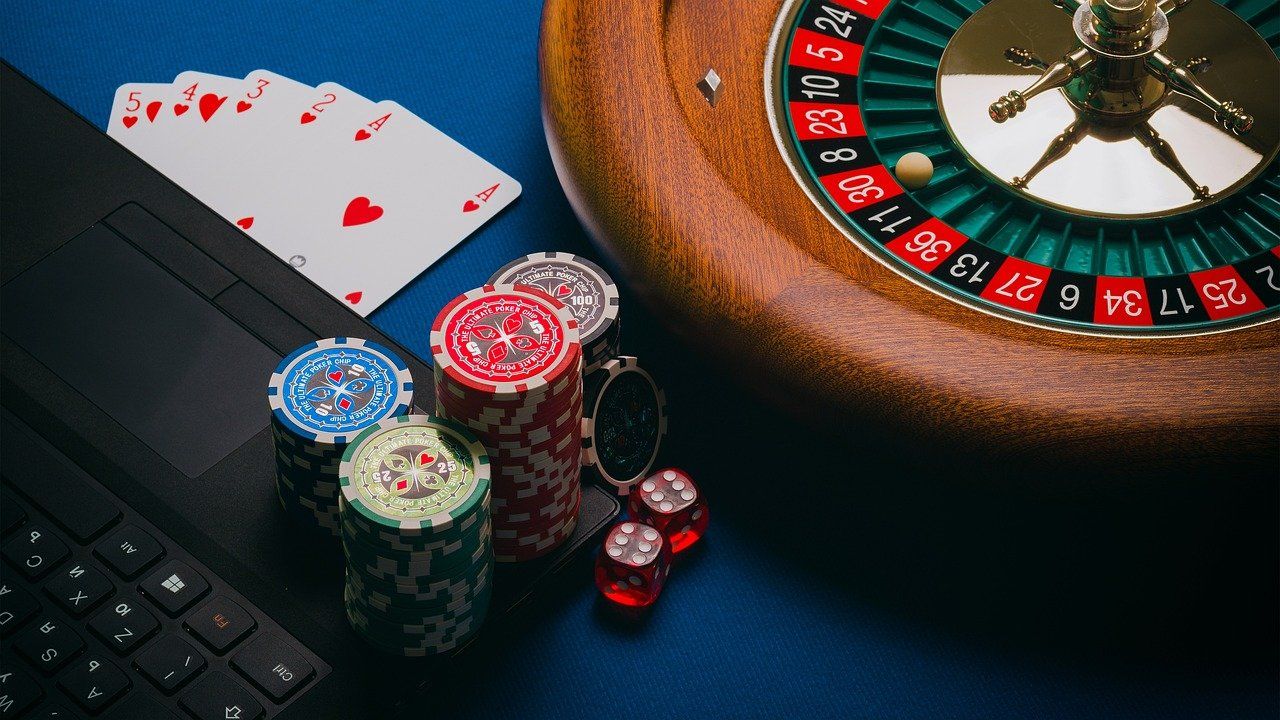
(831, 156)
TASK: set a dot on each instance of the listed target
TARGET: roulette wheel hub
(1104, 98)
(762, 217)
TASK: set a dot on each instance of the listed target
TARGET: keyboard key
(57, 487)
(34, 551)
(123, 624)
(18, 691)
(11, 514)
(16, 607)
(217, 697)
(49, 644)
(129, 551)
(79, 588)
(170, 662)
(136, 706)
(273, 665)
(93, 682)
(174, 587)
(53, 711)
(220, 623)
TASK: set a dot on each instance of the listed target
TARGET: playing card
(136, 110)
(393, 195)
(280, 159)
(359, 196)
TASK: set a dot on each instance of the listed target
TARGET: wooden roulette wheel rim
(701, 211)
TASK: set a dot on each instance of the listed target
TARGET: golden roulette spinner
(1093, 267)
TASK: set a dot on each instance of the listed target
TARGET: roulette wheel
(1087, 264)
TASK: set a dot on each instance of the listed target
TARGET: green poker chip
(413, 500)
(414, 474)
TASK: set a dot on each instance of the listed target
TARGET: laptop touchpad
(158, 357)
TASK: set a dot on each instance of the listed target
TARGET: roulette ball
(1084, 263)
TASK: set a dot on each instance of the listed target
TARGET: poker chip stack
(416, 535)
(585, 288)
(508, 366)
(321, 396)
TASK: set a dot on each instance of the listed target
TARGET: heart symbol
(245, 222)
(354, 298)
(307, 117)
(335, 376)
(242, 106)
(360, 211)
(179, 109)
(470, 206)
(362, 134)
(209, 104)
(153, 108)
(129, 120)
(425, 458)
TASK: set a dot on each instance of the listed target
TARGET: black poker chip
(623, 423)
(581, 285)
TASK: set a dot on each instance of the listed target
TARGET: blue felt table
(876, 609)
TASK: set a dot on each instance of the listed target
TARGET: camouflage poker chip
(414, 474)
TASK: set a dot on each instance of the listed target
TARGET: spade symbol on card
(153, 108)
(209, 104)
(129, 120)
(179, 108)
(360, 211)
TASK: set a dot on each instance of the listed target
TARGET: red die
(633, 564)
(669, 501)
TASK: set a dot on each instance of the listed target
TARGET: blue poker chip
(328, 391)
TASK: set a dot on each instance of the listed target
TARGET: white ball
(914, 170)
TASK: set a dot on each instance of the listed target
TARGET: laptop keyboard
(102, 615)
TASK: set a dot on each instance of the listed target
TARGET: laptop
(148, 571)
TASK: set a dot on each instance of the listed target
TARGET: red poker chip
(504, 552)
(522, 416)
(505, 341)
(521, 492)
(451, 397)
(537, 438)
(519, 415)
(538, 504)
(557, 421)
(516, 498)
(532, 470)
(520, 467)
(529, 534)
(539, 522)
(521, 474)
(510, 430)
(562, 380)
